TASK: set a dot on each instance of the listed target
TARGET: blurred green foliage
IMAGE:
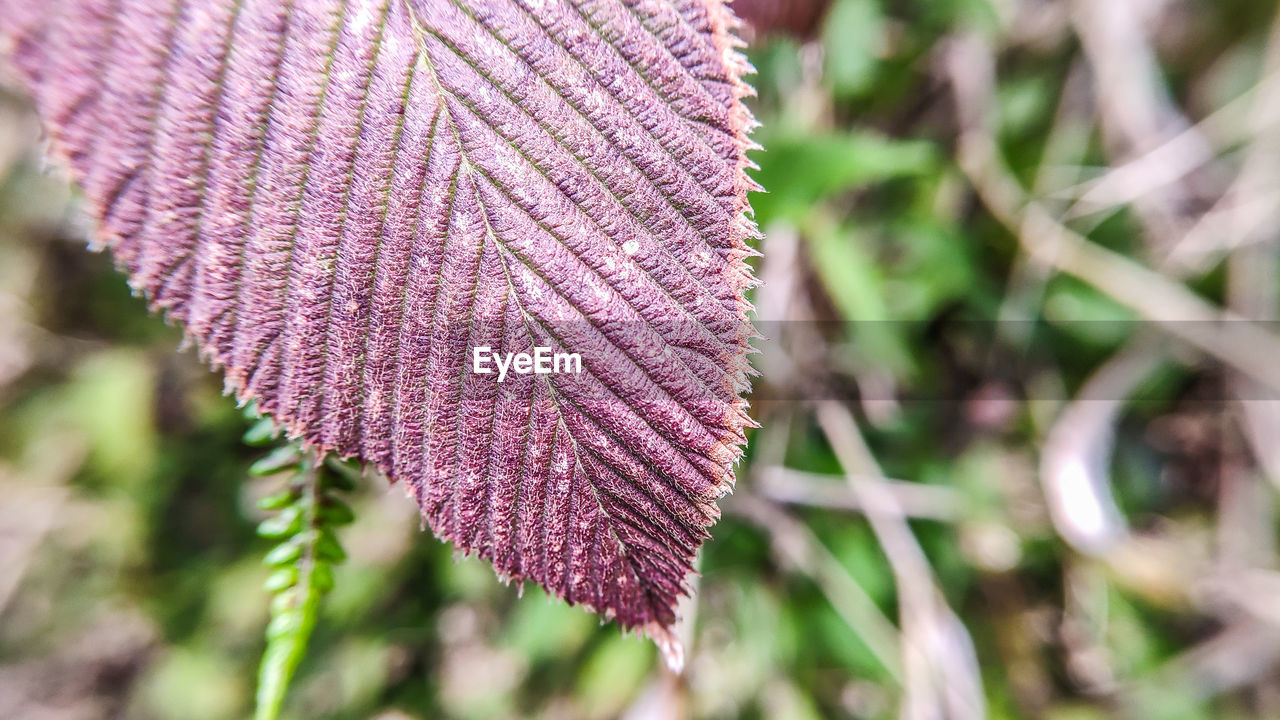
(131, 575)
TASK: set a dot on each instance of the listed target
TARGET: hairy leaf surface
(342, 199)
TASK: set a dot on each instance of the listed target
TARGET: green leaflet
(306, 511)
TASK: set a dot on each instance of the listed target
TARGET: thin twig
(795, 487)
(941, 666)
(1076, 456)
(799, 547)
(1240, 344)
(1254, 264)
(1135, 107)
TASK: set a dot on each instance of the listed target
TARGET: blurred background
(1021, 418)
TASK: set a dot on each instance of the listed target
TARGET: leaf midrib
(465, 166)
(442, 92)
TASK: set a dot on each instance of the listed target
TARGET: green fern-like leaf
(306, 512)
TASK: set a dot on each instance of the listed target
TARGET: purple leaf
(343, 200)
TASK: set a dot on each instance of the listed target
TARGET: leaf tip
(669, 646)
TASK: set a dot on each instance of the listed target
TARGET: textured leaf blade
(341, 200)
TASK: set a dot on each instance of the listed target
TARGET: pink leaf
(343, 199)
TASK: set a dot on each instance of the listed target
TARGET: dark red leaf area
(795, 17)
